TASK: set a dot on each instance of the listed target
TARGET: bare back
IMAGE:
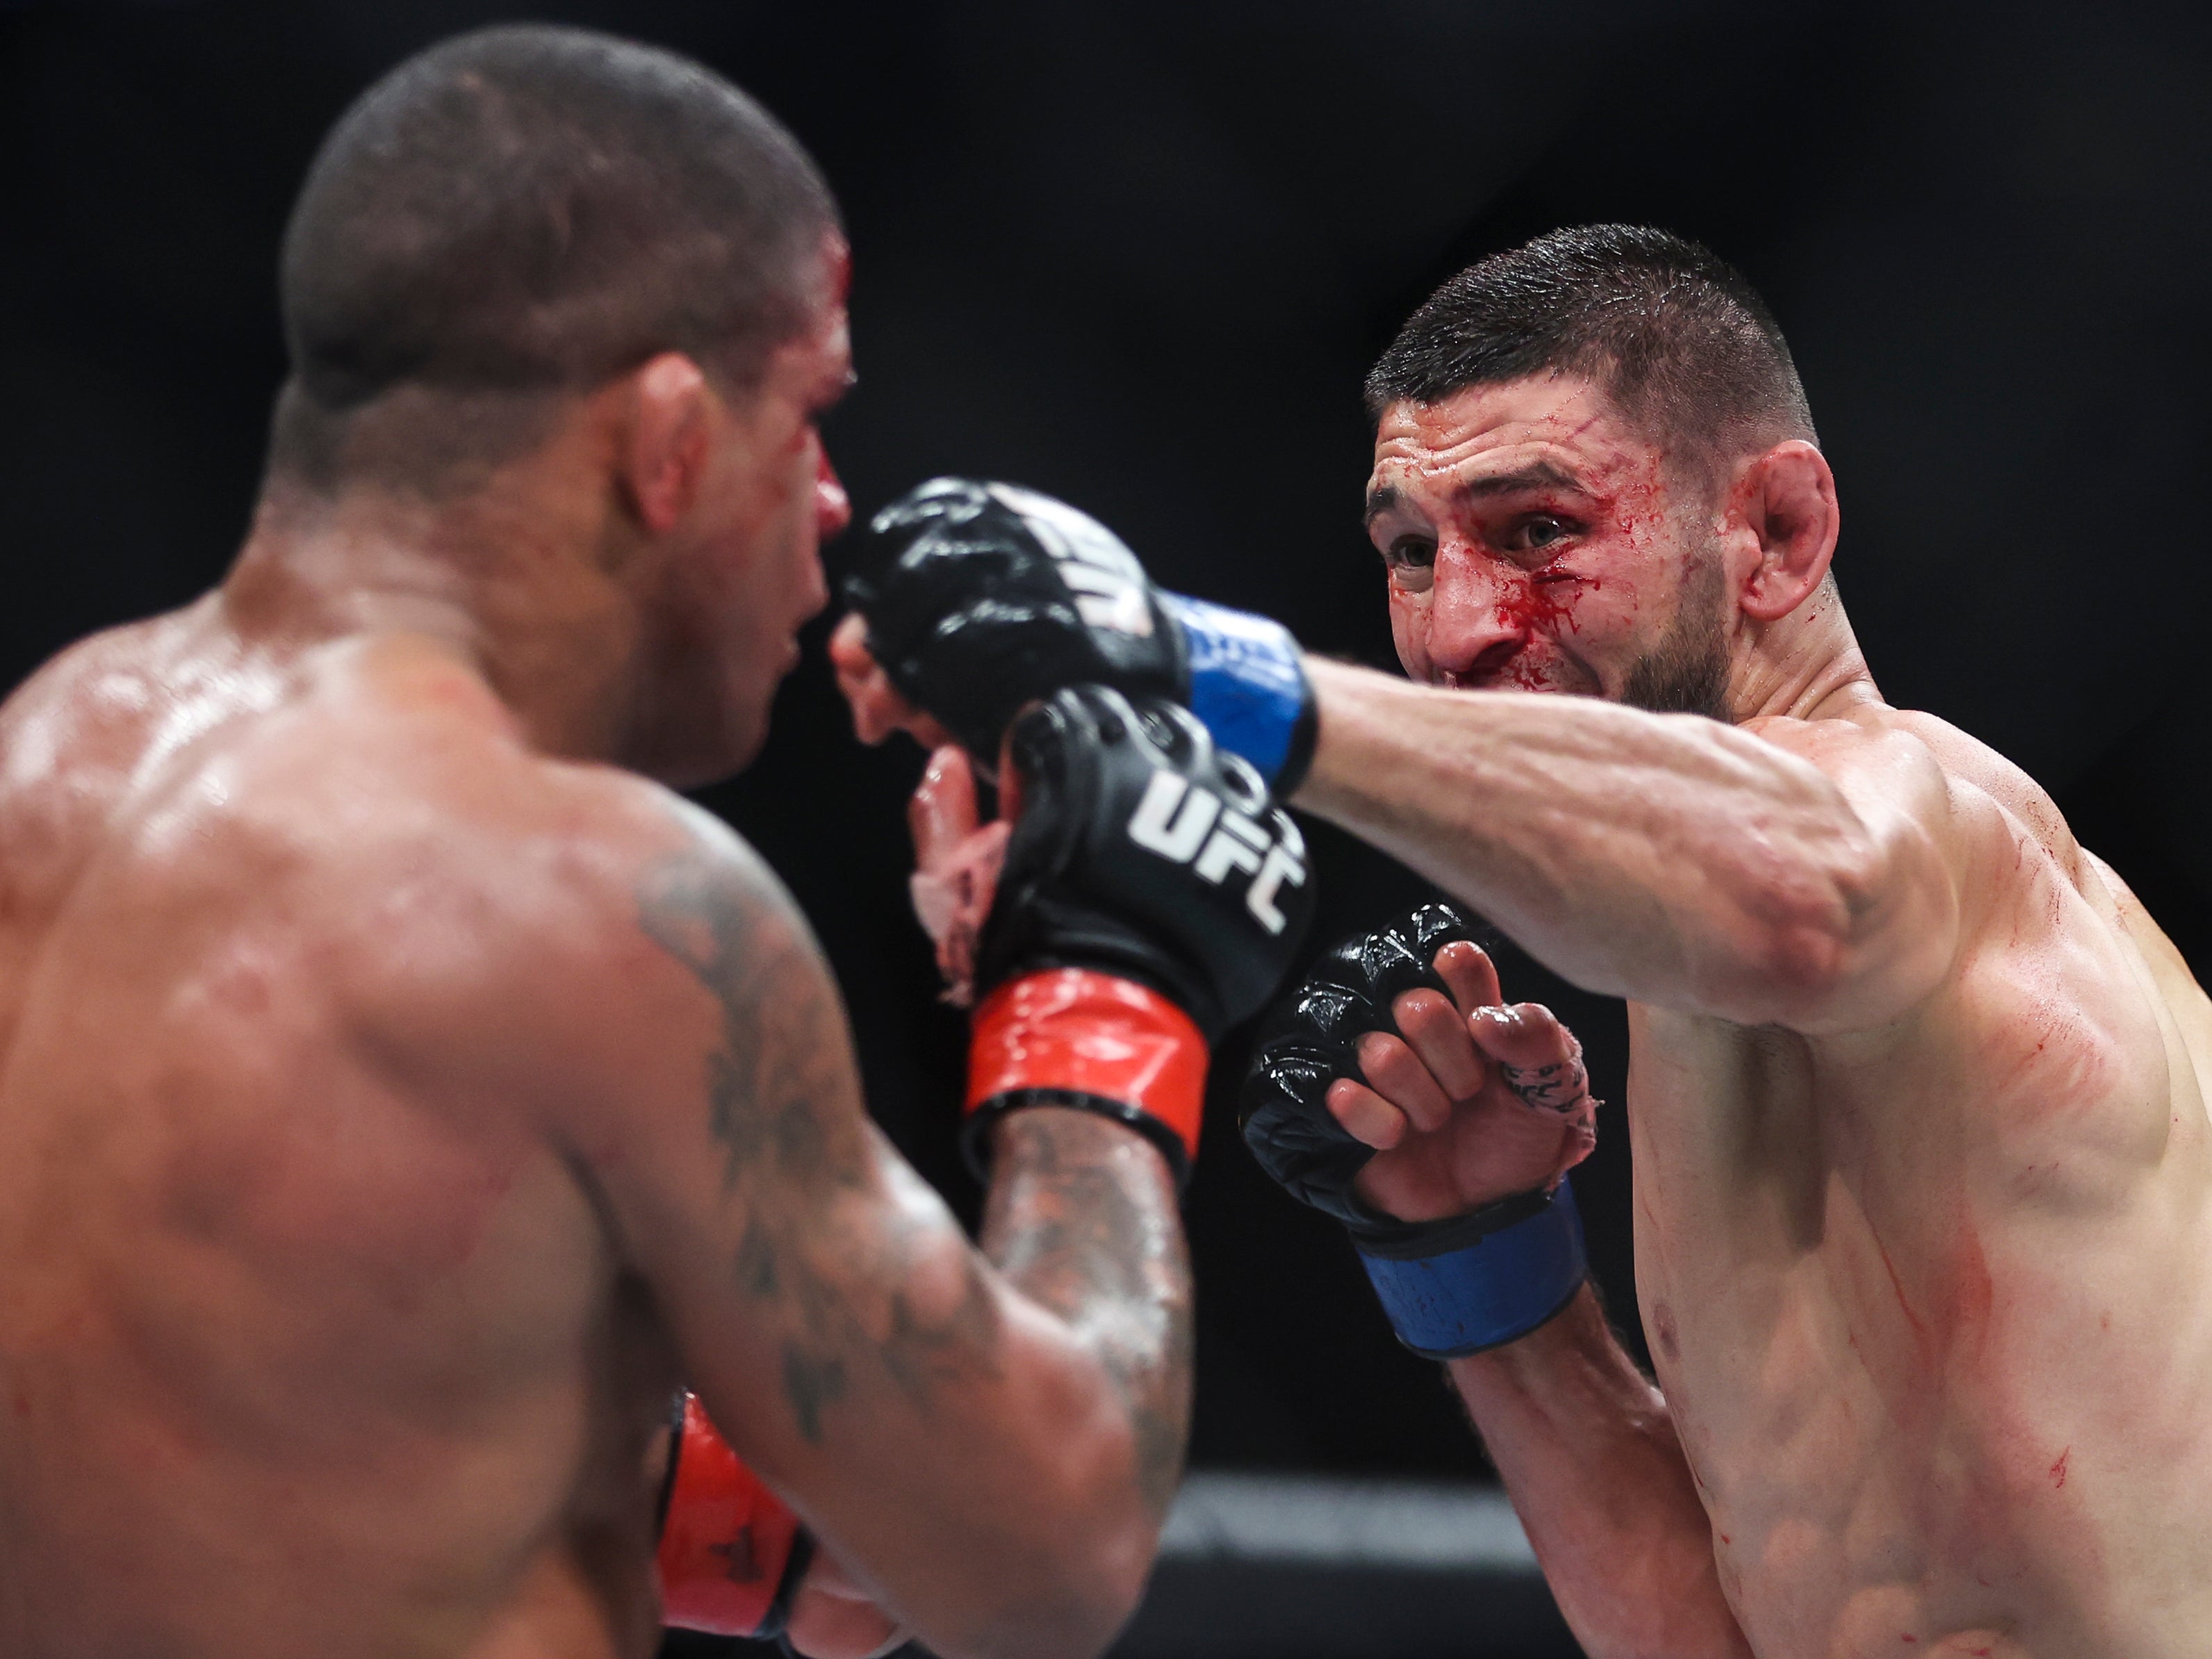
(1932, 1303)
(310, 1340)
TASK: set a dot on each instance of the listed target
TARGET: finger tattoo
(1560, 1087)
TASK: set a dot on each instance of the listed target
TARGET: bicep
(815, 1286)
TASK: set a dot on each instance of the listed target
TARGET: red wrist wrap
(727, 1543)
(1109, 1043)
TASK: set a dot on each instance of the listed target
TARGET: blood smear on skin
(1530, 608)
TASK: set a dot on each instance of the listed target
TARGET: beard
(1686, 672)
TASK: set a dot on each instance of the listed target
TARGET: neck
(495, 579)
(1806, 666)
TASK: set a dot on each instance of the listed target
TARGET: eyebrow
(1538, 474)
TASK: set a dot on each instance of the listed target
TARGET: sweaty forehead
(1560, 428)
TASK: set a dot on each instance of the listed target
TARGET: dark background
(1138, 254)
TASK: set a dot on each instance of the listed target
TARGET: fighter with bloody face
(1917, 1093)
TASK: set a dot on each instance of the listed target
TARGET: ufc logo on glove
(1102, 576)
(1173, 819)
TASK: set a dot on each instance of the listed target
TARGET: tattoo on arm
(779, 1101)
(1082, 1217)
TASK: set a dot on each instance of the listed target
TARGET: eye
(1541, 529)
(1411, 553)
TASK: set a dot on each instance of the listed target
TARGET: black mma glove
(1452, 1286)
(981, 597)
(1151, 895)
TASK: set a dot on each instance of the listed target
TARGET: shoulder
(2009, 850)
(1914, 759)
(87, 708)
(483, 898)
(586, 898)
(1871, 745)
(1892, 778)
(1974, 764)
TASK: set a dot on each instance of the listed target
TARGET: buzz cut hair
(1685, 347)
(528, 210)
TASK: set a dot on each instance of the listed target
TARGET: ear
(1788, 497)
(661, 455)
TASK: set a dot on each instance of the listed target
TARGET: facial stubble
(1686, 672)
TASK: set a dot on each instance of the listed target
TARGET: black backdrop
(1138, 254)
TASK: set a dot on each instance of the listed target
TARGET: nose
(833, 508)
(1473, 628)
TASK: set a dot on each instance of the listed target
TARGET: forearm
(1082, 1220)
(1664, 858)
(1004, 1498)
(1589, 1457)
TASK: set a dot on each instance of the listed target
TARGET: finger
(879, 709)
(1538, 1058)
(925, 729)
(827, 1573)
(1468, 973)
(858, 678)
(849, 647)
(1366, 1115)
(1522, 1034)
(823, 1625)
(1436, 1033)
(942, 813)
(1395, 1072)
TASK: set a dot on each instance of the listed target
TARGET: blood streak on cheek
(1538, 607)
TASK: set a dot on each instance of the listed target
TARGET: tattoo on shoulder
(768, 1080)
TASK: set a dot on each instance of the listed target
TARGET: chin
(695, 758)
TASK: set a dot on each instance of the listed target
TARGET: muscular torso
(311, 1342)
(1932, 1304)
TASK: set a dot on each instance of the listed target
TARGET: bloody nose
(1474, 627)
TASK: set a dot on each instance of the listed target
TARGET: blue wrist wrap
(1485, 1294)
(1248, 688)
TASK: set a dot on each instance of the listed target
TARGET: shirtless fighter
(1923, 1192)
(403, 1094)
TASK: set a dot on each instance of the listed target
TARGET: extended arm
(1589, 1457)
(1784, 873)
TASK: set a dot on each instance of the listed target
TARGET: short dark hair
(1684, 346)
(527, 210)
